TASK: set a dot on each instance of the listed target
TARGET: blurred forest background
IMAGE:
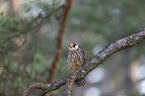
(28, 43)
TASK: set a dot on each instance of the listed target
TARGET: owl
(75, 59)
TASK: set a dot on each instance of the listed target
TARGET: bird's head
(73, 46)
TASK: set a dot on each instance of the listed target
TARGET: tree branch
(60, 39)
(93, 63)
(45, 87)
(69, 84)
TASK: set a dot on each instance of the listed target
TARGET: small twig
(33, 86)
(2, 61)
(69, 85)
(53, 11)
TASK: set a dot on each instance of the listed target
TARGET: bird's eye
(74, 45)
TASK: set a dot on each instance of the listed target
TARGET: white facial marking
(76, 47)
(73, 48)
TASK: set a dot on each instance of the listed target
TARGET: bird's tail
(79, 83)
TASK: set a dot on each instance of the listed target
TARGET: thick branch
(60, 39)
(95, 61)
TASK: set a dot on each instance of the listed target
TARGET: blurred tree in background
(28, 32)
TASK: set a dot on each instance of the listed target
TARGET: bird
(75, 59)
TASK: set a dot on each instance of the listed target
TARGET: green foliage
(40, 62)
(10, 28)
(45, 5)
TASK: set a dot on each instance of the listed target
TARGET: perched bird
(75, 59)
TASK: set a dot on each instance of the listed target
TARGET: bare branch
(60, 39)
(94, 62)
(46, 87)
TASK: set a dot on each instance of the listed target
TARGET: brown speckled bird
(75, 59)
